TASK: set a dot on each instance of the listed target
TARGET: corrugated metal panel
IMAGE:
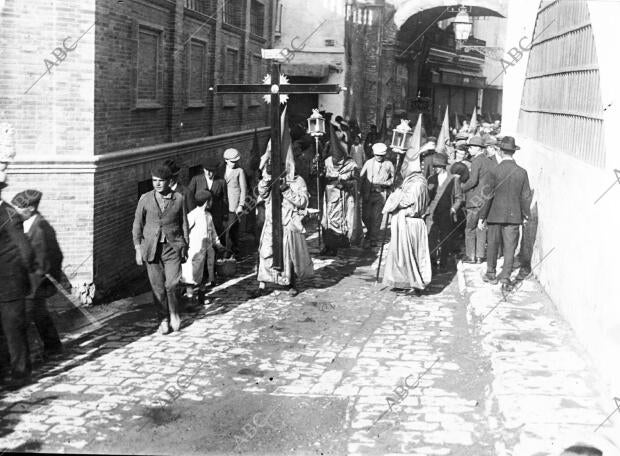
(561, 105)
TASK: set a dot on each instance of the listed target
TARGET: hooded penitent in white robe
(408, 262)
(295, 250)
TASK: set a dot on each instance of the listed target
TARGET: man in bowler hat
(209, 181)
(506, 208)
(48, 263)
(474, 187)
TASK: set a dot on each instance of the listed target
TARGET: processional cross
(275, 89)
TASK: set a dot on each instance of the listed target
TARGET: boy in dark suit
(161, 238)
(16, 262)
(48, 260)
(507, 206)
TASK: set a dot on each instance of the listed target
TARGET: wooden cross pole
(275, 89)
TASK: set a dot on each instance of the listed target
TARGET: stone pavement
(346, 367)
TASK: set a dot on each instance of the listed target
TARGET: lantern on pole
(401, 137)
(316, 124)
(462, 25)
(316, 129)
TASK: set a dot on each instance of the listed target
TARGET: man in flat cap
(505, 209)
(237, 190)
(16, 258)
(475, 238)
(161, 238)
(377, 177)
(48, 263)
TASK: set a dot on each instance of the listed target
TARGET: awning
(308, 70)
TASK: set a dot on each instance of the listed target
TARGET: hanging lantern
(401, 137)
(462, 24)
(316, 124)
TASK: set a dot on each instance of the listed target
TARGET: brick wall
(51, 112)
(67, 204)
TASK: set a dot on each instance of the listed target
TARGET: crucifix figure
(275, 89)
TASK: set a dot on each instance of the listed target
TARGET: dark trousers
(164, 275)
(36, 311)
(371, 214)
(509, 235)
(440, 241)
(14, 326)
(232, 233)
(475, 239)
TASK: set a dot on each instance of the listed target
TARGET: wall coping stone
(74, 164)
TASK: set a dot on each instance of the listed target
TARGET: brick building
(98, 91)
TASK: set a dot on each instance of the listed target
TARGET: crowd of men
(431, 197)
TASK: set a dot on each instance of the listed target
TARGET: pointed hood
(444, 135)
(457, 123)
(267, 155)
(411, 160)
(473, 124)
(287, 150)
(337, 148)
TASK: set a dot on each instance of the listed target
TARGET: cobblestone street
(346, 367)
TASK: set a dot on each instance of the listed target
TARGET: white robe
(295, 253)
(202, 238)
(408, 262)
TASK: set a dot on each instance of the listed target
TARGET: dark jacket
(47, 257)
(442, 199)
(219, 207)
(509, 196)
(150, 221)
(474, 188)
(187, 196)
(16, 259)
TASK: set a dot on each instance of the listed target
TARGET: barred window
(562, 105)
(232, 12)
(148, 83)
(257, 18)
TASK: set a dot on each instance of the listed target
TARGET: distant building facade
(98, 92)
(313, 31)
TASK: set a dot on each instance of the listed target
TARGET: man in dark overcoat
(48, 263)
(507, 207)
(16, 262)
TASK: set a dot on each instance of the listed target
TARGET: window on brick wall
(148, 84)
(256, 77)
(233, 12)
(196, 74)
(257, 18)
(201, 6)
(231, 74)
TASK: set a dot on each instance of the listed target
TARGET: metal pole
(276, 173)
(318, 186)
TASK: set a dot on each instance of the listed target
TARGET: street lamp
(462, 24)
(316, 129)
